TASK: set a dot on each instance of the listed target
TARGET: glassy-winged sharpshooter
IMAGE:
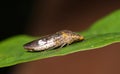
(59, 39)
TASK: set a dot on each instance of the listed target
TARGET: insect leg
(63, 45)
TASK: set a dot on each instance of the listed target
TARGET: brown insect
(59, 39)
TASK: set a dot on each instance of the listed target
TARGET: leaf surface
(103, 32)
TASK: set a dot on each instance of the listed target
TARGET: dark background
(41, 17)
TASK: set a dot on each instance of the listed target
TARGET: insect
(59, 39)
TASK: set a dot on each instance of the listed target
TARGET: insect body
(59, 39)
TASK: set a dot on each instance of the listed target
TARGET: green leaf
(109, 24)
(102, 33)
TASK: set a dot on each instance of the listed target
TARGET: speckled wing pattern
(59, 39)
